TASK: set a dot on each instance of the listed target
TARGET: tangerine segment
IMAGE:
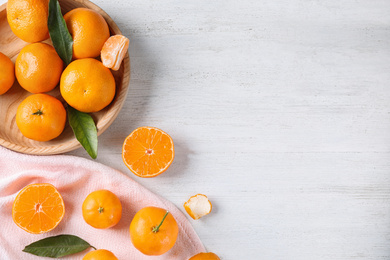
(7, 73)
(38, 208)
(148, 151)
(198, 206)
(114, 51)
(205, 256)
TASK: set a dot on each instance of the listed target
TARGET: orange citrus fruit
(100, 254)
(7, 73)
(102, 209)
(38, 208)
(41, 117)
(38, 68)
(114, 51)
(28, 19)
(148, 151)
(89, 31)
(87, 85)
(205, 256)
(198, 206)
(153, 231)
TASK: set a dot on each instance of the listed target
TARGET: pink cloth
(75, 178)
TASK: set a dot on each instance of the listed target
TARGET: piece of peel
(114, 51)
(198, 206)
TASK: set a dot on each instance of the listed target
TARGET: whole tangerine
(28, 19)
(38, 68)
(153, 231)
(102, 209)
(7, 73)
(87, 85)
(100, 254)
(41, 117)
(205, 256)
(89, 31)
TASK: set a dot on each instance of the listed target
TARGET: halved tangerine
(148, 151)
(38, 208)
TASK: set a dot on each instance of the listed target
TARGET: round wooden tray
(10, 136)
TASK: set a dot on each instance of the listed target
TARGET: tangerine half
(148, 151)
(38, 208)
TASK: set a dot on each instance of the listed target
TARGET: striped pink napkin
(75, 178)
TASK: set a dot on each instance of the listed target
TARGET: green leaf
(59, 34)
(57, 246)
(84, 129)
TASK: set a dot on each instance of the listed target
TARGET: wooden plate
(10, 136)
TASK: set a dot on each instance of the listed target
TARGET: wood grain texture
(280, 114)
(10, 136)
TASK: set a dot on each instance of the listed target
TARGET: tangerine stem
(100, 209)
(93, 247)
(155, 229)
(39, 112)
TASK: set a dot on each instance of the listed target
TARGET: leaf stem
(155, 229)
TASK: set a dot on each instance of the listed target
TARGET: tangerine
(38, 208)
(7, 73)
(41, 117)
(87, 85)
(148, 151)
(28, 19)
(102, 209)
(100, 254)
(153, 231)
(38, 67)
(205, 256)
(89, 31)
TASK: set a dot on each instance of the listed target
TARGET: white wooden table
(280, 113)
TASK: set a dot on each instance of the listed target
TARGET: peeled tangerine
(114, 51)
(198, 206)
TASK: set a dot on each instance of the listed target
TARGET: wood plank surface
(280, 113)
